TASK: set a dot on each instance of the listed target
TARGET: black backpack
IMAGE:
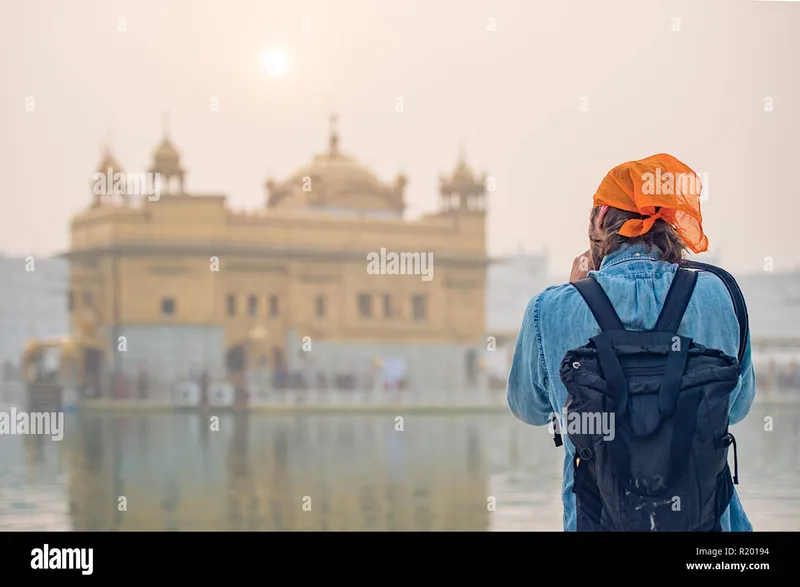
(648, 415)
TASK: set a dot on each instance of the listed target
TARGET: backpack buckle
(586, 453)
(725, 441)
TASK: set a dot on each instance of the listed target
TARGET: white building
(511, 282)
(773, 303)
(33, 303)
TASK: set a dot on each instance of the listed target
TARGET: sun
(276, 62)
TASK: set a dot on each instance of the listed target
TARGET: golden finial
(165, 124)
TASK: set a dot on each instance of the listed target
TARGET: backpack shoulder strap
(678, 296)
(603, 311)
(598, 302)
(736, 296)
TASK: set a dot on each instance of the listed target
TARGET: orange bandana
(660, 181)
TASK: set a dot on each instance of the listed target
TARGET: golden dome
(336, 169)
(337, 180)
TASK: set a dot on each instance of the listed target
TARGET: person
(793, 375)
(638, 239)
(143, 383)
(204, 385)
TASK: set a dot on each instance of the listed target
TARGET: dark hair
(662, 236)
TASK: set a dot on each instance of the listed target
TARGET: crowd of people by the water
(778, 375)
(141, 386)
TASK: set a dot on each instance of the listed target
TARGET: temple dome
(167, 164)
(335, 180)
(166, 158)
(337, 169)
(463, 172)
(166, 152)
(463, 180)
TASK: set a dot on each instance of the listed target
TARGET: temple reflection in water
(359, 472)
(256, 473)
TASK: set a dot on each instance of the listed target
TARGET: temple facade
(328, 279)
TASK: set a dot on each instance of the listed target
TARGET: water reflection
(258, 473)
(352, 472)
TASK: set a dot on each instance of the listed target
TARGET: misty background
(713, 82)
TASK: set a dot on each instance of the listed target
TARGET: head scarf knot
(659, 187)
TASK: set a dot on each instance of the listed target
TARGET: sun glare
(276, 62)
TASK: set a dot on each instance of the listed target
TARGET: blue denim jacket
(558, 319)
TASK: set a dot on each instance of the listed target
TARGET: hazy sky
(513, 94)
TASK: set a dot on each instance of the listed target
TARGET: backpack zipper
(628, 370)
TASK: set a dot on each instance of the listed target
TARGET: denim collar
(631, 252)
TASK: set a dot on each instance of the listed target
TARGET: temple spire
(107, 158)
(105, 145)
(165, 124)
(334, 136)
